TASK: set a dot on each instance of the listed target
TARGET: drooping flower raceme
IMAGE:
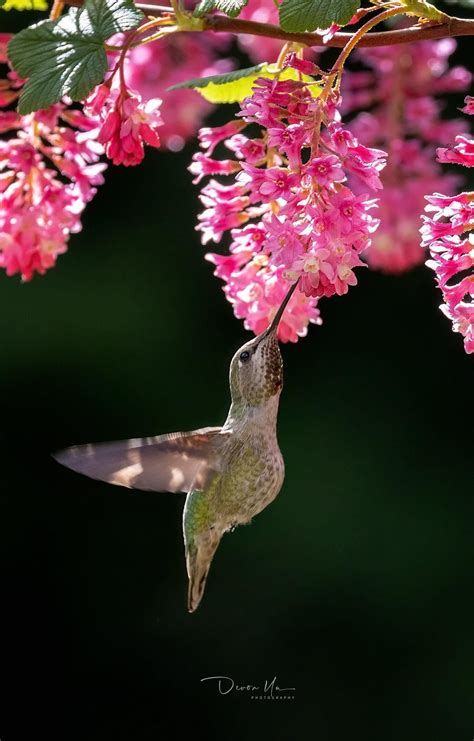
(288, 208)
(448, 231)
(128, 123)
(49, 170)
(396, 93)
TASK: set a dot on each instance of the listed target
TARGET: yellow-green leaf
(424, 9)
(230, 92)
(24, 5)
(233, 87)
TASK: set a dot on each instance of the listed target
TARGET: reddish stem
(419, 32)
(56, 10)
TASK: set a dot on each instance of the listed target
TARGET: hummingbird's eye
(244, 356)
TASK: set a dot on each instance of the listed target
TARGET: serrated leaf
(54, 66)
(231, 8)
(112, 16)
(205, 6)
(67, 57)
(307, 15)
(233, 87)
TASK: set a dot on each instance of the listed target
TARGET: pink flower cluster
(49, 170)
(288, 207)
(396, 93)
(127, 122)
(153, 68)
(449, 234)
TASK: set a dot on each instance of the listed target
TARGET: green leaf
(233, 87)
(67, 57)
(205, 6)
(111, 16)
(218, 79)
(307, 15)
(229, 7)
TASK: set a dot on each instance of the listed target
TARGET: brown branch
(454, 27)
(419, 32)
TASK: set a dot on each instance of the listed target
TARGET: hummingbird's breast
(253, 477)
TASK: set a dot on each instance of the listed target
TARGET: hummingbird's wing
(172, 462)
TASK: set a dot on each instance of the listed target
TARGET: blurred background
(354, 586)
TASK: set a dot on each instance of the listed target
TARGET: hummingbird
(229, 473)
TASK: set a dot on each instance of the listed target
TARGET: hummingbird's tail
(198, 560)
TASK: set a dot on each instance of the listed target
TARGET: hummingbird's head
(256, 370)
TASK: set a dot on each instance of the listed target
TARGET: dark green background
(355, 586)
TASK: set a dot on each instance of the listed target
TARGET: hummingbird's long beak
(276, 319)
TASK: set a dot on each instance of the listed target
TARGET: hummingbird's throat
(268, 381)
